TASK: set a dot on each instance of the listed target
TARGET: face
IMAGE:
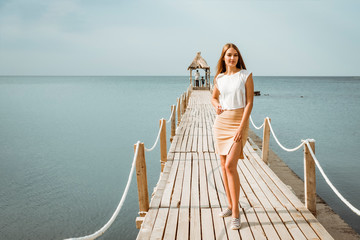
(231, 57)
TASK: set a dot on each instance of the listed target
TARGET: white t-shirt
(197, 76)
(232, 89)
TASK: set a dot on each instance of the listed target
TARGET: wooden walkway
(190, 193)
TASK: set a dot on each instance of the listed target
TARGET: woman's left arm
(249, 88)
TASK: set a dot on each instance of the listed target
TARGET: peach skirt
(224, 129)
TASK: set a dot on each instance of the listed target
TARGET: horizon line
(37, 75)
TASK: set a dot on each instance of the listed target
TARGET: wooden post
(191, 83)
(183, 104)
(178, 112)
(266, 140)
(310, 178)
(189, 94)
(173, 108)
(142, 184)
(163, 149)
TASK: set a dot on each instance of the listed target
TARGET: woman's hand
(219, 110)
(238, 135)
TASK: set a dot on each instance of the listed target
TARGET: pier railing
(310, 161)
(142, 184)
(139, 164)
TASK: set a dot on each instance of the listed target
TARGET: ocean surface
(66, 145)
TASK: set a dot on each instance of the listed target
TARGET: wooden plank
(245, 232)
(183, 143)
(159, 225)
(176, 196)
(195, 228)
(178, 142)
(219, 225)
(189, 143)
(171, 224)
(213, 198)
(166, 197)
(204, 195)
(185, 195)
(207, 224)
(147, 225)
(254, 224)
(183, 224)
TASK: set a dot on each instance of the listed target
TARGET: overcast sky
(161, 37)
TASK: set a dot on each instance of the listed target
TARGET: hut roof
(198, 62)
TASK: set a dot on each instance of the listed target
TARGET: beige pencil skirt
(224, 130)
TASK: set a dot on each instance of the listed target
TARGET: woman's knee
(230, 166)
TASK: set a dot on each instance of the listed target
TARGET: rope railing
(113, 217)
(156, 141)
(347, 203)
(171, 115)
(278, 142)
(115, 214)
(258, 128)
(306, 142)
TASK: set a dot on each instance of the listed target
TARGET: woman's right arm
(215, 100)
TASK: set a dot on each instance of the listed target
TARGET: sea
(67, 144)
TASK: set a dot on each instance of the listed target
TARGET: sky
(162, 37)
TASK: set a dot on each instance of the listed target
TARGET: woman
(232, 98)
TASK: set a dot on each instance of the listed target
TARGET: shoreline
(332, 222)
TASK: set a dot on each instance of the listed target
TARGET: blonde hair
(221, 67)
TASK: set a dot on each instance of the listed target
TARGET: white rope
(286, 149)
(157, 139)
(172, 113)
(254, 124)
(113, 217)
(347, 203)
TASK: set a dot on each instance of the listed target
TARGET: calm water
(66, 145)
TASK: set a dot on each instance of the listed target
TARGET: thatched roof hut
(200, 63)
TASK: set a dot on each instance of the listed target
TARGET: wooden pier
(190, 193)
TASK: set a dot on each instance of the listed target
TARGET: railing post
(266, 140)
(310, 178)
(178, 112)
(163, 149)
(173, 110)
(185, 97)
(183, 104)
(188, 98)
(141, 179)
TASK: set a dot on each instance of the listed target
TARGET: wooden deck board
(190, 192)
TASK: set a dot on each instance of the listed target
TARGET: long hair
(221, 67)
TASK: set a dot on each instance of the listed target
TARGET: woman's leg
(233, 177)
(225, 180)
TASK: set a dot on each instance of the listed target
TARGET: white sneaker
(235, 224)
(226, 213)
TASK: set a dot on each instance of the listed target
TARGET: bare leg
(233, 177)
(225, 180)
